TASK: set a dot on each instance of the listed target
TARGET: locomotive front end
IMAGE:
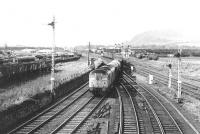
(98, 82)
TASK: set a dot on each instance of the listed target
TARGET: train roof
(114, 63)
(99, 71)
(104, 69)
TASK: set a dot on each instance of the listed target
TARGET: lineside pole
(128, 51)
(170, 78)
(89, 54)
(53, 54)
(179, 77)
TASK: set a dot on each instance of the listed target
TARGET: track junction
(138, 110)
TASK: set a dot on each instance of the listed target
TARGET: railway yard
(99, 67)
(133, 106)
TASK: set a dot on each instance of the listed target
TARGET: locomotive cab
(101, 80)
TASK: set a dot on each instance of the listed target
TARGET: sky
(106, 22)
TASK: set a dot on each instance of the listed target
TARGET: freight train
(108, 55)
(149, 56)
(101, 80)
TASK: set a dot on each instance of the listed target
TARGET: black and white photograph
(99, 67)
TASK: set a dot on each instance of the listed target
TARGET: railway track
(146, 69)
(188, 89)
(155, 70)
(73, 109)
(161, 119)
(84, 126)
(128, 116)
(71, 124)
(159, 69)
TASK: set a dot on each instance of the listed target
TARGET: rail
(52, 111)
(66, 126)
(159, 111)
(194, 89)
(121, 113)
(129, 121)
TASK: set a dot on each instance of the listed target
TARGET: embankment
(15, 114)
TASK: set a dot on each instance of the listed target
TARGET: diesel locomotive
(101, 80)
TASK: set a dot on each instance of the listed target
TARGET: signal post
(170, 76)
(179, 78)
(53, 60)
(179, 81)
(89, 54)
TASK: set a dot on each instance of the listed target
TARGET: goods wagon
(96, 63)
(108, 55)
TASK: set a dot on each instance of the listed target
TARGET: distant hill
(155, 38)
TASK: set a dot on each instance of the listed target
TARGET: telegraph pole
(89, 54)
(179, 75)
(53, 54)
